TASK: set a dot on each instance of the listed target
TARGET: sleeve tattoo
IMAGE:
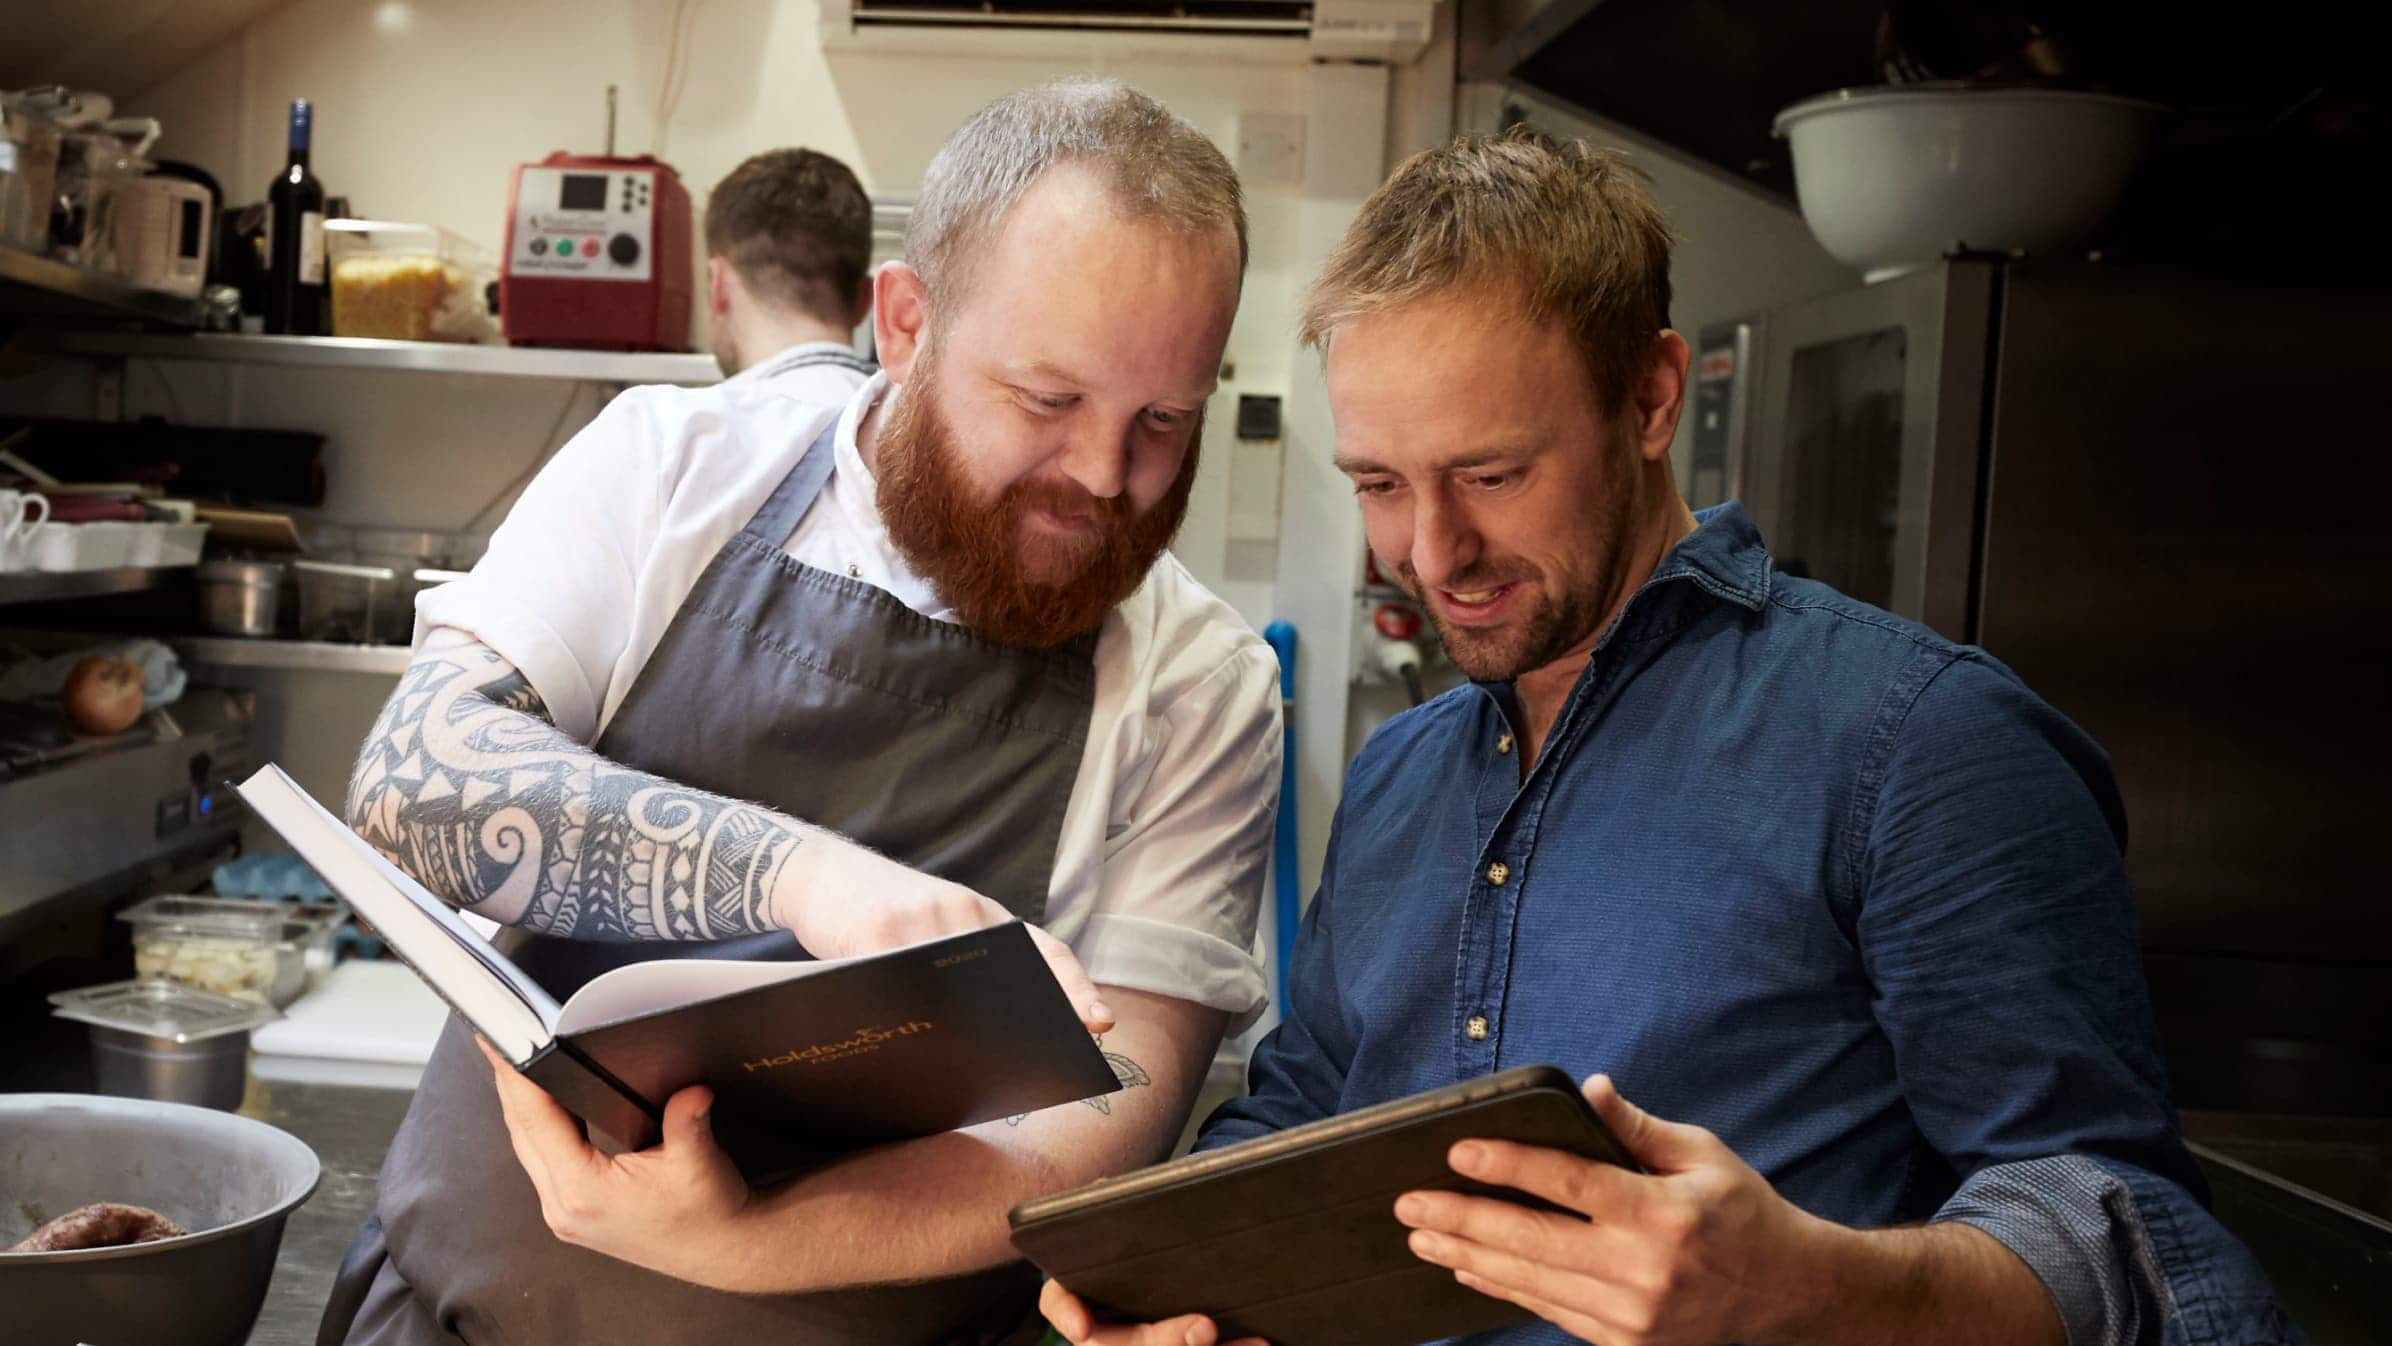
(466, 784)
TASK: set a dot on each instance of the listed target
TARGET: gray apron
(831, 701)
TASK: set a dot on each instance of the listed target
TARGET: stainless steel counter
(349, 1128)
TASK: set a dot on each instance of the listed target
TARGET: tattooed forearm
(465, 784)
(1130, 1073)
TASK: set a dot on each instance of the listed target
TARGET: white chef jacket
(1159, 869)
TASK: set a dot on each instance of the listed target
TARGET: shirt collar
(843, 440)
(804, 354)
(1723, 556)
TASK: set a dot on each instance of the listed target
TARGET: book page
(503, 1003)
(668, 983)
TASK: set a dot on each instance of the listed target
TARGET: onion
(103, 695)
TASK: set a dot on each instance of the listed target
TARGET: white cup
(21, 512)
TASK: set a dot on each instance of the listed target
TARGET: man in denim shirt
(1842, 900)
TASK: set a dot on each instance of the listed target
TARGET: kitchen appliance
(2156, 495)
(1895, 176)
(112, 806)
(597, 254)
(162, 227)
(233, 1182)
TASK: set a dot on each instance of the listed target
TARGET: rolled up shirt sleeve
(1999, 932)
(2113, 1244)
(554, 593)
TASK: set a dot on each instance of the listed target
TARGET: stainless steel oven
(1853, 432)
(2162, 499)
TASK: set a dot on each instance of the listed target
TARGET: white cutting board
(366, 1010)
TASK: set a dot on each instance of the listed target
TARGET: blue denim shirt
(1800, 872)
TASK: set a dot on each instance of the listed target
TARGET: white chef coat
(1159, 869)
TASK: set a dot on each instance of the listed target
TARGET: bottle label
(311, 248)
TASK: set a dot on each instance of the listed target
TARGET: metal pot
(231, 1181)
(240, 598)
(209, 1073)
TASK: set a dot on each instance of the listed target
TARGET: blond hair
(1561, 226)
(1156, 166)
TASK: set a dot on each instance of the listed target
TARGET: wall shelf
(423, 357)
(310, 655)
(40, 586)
(35, 286)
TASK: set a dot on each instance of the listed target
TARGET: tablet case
(1292, 1237)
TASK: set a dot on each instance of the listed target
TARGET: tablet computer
(1292, 1237)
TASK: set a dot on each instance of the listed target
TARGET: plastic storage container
(29, 140)
(268, 952)
(408, 282)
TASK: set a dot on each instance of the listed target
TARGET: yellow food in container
(408, 282)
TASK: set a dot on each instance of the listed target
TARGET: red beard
(1015, 592)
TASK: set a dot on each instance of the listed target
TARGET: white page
(643, 988)
(504, 1004)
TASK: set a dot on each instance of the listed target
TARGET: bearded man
(933, 635)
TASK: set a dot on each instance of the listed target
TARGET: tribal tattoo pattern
(467, 785)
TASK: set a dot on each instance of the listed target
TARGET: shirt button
(1476, 1028)
(1504, 744)
(854, 574)
(1498, 872)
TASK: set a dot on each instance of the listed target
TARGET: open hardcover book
(807, 1059)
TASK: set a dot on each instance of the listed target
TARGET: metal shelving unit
(39, 586)
(38, 287)
(422, 357)
(310, 655)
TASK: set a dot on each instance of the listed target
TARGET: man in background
(788, 245)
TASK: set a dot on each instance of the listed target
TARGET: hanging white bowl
(1893, 177)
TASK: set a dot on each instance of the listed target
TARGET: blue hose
(1283, 858)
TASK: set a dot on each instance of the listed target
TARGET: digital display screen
(192, 237)
(582, 191)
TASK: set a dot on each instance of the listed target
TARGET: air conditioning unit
(1392, 32)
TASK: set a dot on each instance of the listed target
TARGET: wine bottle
(297, 299)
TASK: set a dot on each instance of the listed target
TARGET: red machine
(597, 255)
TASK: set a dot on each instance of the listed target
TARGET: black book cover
(899, 1045)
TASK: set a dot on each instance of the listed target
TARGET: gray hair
(1157, 166)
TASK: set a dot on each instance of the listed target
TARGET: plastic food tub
(268, 952)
